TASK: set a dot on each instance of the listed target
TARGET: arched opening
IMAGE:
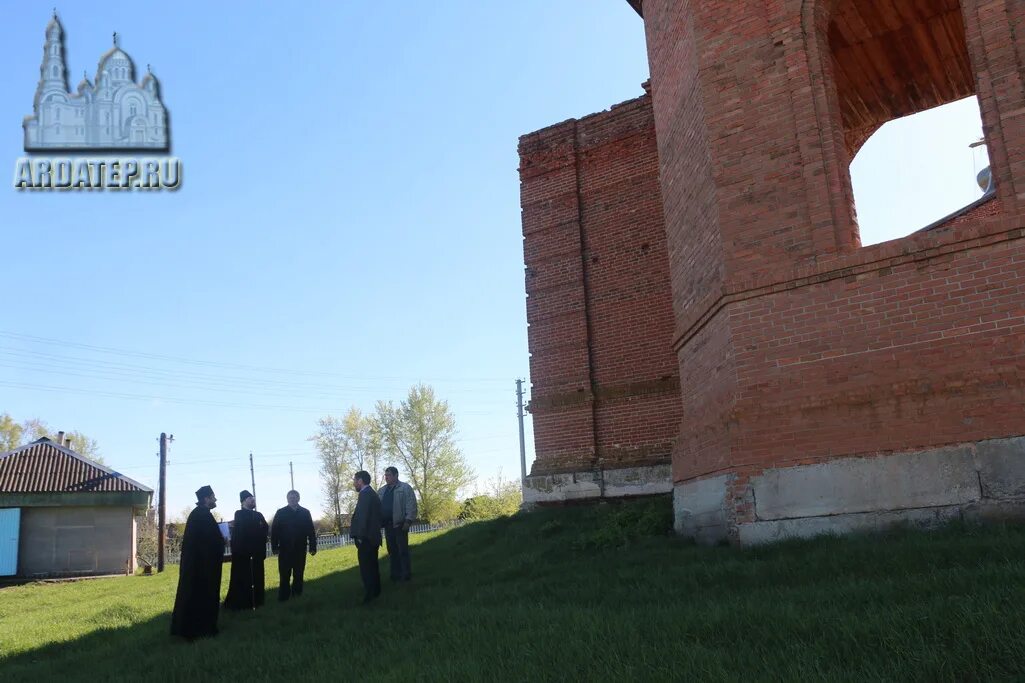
(897, 65)
(917, 170)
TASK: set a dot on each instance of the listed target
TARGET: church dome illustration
(54, 29)
(149, 82)
(111, 112)
(84, 85)
(116, 65)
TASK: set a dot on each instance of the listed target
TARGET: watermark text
(80, 173)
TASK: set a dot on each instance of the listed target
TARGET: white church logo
(111, 113)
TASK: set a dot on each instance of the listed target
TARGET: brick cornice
(608, 392)
(915, 247)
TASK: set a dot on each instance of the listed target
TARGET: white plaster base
(983, 480)
(612, 483)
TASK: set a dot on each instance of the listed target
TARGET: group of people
(292, 534)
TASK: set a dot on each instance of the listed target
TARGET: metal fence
(337, 541)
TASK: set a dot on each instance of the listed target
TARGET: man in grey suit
(365, 531)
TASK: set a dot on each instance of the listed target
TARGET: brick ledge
(914, 247)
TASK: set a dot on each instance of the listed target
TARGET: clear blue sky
(348, 223)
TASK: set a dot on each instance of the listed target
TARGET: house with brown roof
(62, 514)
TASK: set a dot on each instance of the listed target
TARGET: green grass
(555, 595)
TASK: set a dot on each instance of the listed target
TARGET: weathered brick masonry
(826, 386)
(605, 385)
(817, 353)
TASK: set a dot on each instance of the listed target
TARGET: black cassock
(197, 602)
(248, 551)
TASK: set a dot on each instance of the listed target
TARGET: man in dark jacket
(291, 529)
(248, 551)
(197, 601)
(365, 531)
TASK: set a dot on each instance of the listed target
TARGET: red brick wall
(605, 382)
(794, 344)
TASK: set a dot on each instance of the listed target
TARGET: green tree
(502, 498)
(344, 446)
(420, 433)
(10, 433)
(332, 452)
(363, 438)
(83, 445)
(13, 435)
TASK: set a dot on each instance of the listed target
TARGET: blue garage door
(10, 522)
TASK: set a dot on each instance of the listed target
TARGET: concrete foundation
(596, 484)
(981, 481)
(699, 509)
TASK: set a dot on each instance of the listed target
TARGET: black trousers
(398, 552)
(369, 570)
(291, 565)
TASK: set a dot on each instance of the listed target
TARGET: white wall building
(112, 113)
(62, 514)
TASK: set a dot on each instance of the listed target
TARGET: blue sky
(348, 223)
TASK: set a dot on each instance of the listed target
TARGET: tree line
(418, 436)
(14, 434)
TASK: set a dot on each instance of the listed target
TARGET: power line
(191, 401)
(135, 373)
(204, 363)
(165, 399)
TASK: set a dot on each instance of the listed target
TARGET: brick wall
(720, 256)
(794, 344)
(902, 355)
(605, 386)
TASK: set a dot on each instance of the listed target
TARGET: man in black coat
(365, 531)
(248, 551)
(291, 529)
(197, 601)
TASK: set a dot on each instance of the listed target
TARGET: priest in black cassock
(199, 580)
(248, 551)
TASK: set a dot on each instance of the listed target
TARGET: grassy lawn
(552, 595)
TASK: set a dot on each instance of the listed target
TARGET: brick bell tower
(827, 386)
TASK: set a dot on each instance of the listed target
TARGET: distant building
(113, 112)
(62, 514)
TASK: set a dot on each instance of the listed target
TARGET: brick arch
(869, 64)
(836, 157)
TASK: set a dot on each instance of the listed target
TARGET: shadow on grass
(599, 593)
(272, 638)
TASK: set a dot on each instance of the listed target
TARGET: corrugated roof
(44, 467)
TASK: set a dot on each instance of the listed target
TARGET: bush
(617, 525)
(146, 541)
(503, 499)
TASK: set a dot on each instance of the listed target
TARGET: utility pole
(523, 447)
(291, 475)
(162, 501)
(252, 473)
